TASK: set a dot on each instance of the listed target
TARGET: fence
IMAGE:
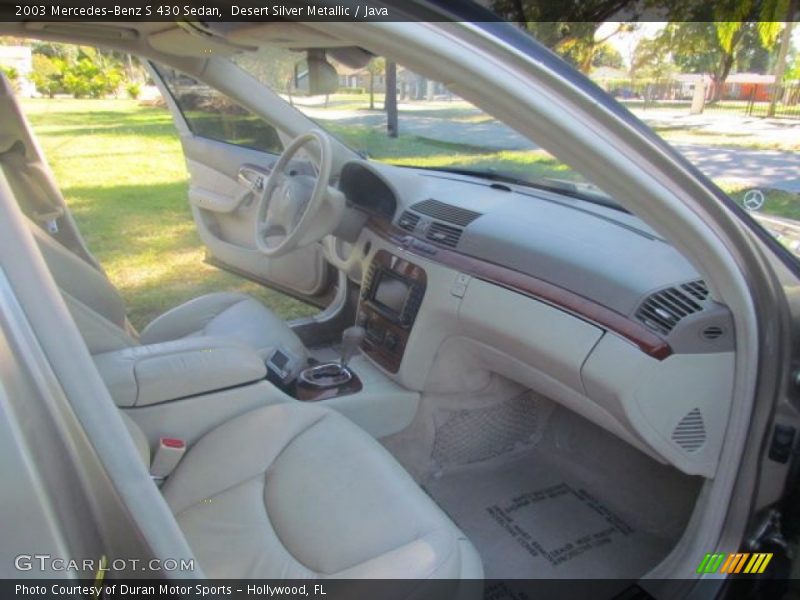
(751, 99)
(786, 97)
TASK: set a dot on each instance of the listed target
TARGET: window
(213, 115)
(437, 129)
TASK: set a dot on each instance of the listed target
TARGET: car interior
(505, 381)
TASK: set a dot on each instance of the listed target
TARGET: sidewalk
(748, 168)
(735, 125)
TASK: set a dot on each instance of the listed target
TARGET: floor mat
(532, 516)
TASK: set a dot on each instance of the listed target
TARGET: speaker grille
(690, 433)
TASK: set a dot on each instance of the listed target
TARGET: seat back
(95, 304)
(31, 178)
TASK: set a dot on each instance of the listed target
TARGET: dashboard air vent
(408, 221)
(446, 212)
(443, 234)
(697, 289)
(662, 311)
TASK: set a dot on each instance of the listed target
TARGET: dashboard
(596, 262)
(366, 190)
(463, 279)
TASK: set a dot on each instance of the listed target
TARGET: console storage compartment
(146, 375)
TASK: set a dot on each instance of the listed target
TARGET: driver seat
(100, 313)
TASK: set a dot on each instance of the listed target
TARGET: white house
(20, 59)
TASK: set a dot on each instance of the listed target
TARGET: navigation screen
(391, 292)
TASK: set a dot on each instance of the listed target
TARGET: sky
(625, 42)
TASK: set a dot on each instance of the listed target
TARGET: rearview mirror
(316, 75)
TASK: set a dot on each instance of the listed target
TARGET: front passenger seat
(93, 301)
(100, 313)
(297, 491)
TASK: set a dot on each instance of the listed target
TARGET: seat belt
(169, 453)
(38, 199)
(40, 205)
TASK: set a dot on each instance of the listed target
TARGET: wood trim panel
(530, 286)
(370, 317)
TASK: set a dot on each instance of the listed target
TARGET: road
(749, 168)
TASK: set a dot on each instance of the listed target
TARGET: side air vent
(690, 433)
(664, 309)
(443, 234)
(408, 221)
(446, 212)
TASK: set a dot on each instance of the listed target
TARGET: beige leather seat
(100, 311)
(95, 304)
(298, 491)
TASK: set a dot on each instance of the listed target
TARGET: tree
(390, 100)
(650, 61)
(376, 66)
(575, 40)
(94, 75)
(10, 72)
(529, 14)
(581, 46)
(48, 74)
(783, 52)
(272, 66)
(713, 37)
(713, 47)
(793, 70)
(607, 56)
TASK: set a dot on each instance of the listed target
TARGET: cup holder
(327, 375)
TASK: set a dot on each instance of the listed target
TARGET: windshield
(431, 128)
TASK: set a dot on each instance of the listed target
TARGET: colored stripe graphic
(735, 563)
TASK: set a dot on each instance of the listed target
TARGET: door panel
(224, 206)
(229, 151)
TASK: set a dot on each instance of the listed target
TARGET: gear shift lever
(351, 340)
(330, 375)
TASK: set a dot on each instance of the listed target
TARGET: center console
(391, 294)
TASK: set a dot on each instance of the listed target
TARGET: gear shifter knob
(351, 340)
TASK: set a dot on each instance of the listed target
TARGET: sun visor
(192, 41)
(285, 34)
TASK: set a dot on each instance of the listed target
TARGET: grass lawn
(121, 169)
(778, 203)
(732, 139)
(417, 151)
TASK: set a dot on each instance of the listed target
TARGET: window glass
(741, 133)
(211, 114)
(435, 128)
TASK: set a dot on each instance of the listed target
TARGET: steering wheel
(291, 211)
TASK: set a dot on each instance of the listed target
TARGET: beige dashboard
(673, 407)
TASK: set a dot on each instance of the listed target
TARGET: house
(738, 86)
(747, 86)
(410, 86)
(20, 59)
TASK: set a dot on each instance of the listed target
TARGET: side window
(211, 114)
